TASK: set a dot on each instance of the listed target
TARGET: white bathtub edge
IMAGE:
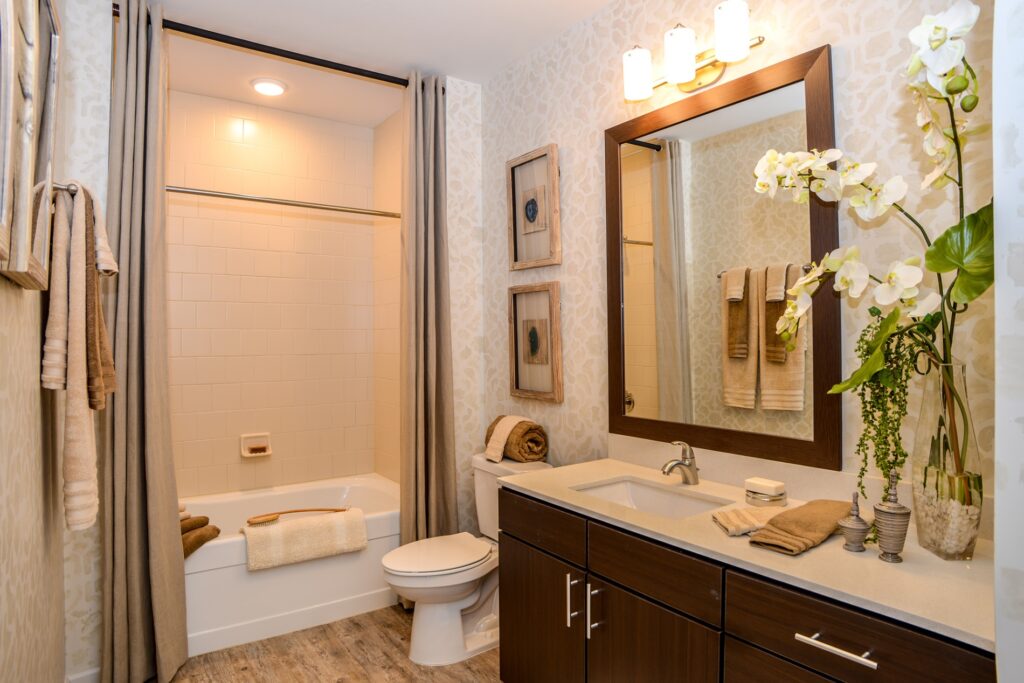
(287, 622)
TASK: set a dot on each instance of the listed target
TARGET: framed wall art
(535, 342)
(534, 232)
(8, 78)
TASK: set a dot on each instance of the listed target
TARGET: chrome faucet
(687, 465)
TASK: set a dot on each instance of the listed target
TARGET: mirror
(699, 264)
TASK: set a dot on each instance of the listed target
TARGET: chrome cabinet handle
(814, 641)
(591, 625)
(569, 614)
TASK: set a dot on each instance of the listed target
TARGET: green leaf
(966, 247)
(876, 361)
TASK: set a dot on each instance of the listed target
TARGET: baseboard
(87, 676)
(286, 622)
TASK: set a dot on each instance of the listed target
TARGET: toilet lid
(438, 555)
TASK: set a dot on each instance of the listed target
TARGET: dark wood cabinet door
(746, 664)
(632, 639)
(542, 639)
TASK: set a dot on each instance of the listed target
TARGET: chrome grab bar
(814, 641)
(569, 614)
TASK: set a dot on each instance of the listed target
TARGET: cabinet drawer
(782, 620)
(556, 531)
(669, 576)
(745, 663)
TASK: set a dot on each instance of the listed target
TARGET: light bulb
(637, 76)
(680, 54)
(268, 87)
(732, 31)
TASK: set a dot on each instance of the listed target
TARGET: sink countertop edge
(731, 550)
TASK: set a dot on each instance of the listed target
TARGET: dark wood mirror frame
(814, 68)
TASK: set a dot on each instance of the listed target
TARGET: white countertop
(954, 599)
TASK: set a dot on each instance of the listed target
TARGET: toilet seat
(439, 555)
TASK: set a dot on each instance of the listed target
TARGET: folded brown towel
(776, 283)
(794, 531)
(195, 539)
(191, 523)
(526, 442)
(739, 375)
(99, 357)
(738, 297)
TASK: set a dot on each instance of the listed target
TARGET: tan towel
(55, 344)
(775, 285)
(81, 492)
(516, 437)
(196, 538)
(794, 531)
(783, 384)
(183, 515)
(181, 506)
(288, 541)
(99, 355)
(734, 282)
(739, 375)
(739, 521)
(192, 523)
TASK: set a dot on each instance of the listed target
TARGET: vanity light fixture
(269, 87)
(684, 67)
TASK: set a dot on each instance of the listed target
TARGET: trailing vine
(883, 401)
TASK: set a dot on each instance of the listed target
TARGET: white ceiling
(468, 39)
(213, 69)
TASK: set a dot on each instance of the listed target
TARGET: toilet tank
(485, 481)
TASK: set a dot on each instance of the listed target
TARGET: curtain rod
(644, 143)
(277, 52)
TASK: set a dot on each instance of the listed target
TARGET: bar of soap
(769, 487)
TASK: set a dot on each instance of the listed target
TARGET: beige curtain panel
(144, 634)
(428, 505)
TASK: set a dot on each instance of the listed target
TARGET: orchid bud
(969, 102)
(957, 84)
(914, 66)
(790, 347)
(785, 335)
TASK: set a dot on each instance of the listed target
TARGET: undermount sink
(664, 500)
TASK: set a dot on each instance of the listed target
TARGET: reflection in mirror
(695, 238)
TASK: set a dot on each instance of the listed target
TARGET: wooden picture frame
(31, 219)
(8, 81)
(534, 226)
(535, 342)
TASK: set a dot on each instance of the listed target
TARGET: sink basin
(656, 499)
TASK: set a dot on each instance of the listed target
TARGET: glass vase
(947, 483)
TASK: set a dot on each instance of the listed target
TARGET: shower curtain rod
(277, 52)
(72, 188)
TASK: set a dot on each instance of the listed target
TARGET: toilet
(454, 579)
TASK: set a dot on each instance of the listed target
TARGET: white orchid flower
(767, 184)
(789, 323)
(853, 173)
(828, 185)
(921, 306)
(938, 37)
(852, 277)
(870, 204)
(900, 282)
(835, 259)
(816, 161)
(767, 164)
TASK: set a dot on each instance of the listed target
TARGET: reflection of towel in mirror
(739, 375)
(737, 312)
(783, 383)
(775, 285)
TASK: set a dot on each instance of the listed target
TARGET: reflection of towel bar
(806, 268)
(626, 240)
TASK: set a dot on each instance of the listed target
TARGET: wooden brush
(271, 517)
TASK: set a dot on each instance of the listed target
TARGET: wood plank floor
(368, 647)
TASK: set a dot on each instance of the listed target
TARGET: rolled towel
(195, 539)
(794, 531)
(192, 523)
(739, 521)
(288, 541)
(183, 515)
(517, 438)
(181, 506)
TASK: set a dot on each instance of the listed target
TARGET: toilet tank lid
(506, 466)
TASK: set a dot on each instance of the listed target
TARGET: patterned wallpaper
(571, 90)
(730, 226)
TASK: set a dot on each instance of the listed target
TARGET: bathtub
(229, 605)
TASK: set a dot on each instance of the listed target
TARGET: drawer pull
(569, 614)
(814, 641)
(590, 625)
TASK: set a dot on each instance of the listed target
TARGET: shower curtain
(675, 391)
(144, 633)
(428, 506)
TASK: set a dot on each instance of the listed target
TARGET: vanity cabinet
(584, 601)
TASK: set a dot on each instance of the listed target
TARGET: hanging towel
(100, 357)
(55, 344)
(783, 383)
(288, 541)
(794, 531)
(738, 311)
(517, 438)
(775, 286)
(743, 520)
(739, 375)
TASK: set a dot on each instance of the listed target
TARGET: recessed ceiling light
(268, 87)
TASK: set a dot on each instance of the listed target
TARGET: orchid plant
(908, 319)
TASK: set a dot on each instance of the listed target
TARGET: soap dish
(255, 445)
(765, 499)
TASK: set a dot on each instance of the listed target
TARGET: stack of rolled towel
(195, 531)
(517, 438)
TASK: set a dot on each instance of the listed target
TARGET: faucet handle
(687, 455)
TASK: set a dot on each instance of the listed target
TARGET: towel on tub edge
(298, 539)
